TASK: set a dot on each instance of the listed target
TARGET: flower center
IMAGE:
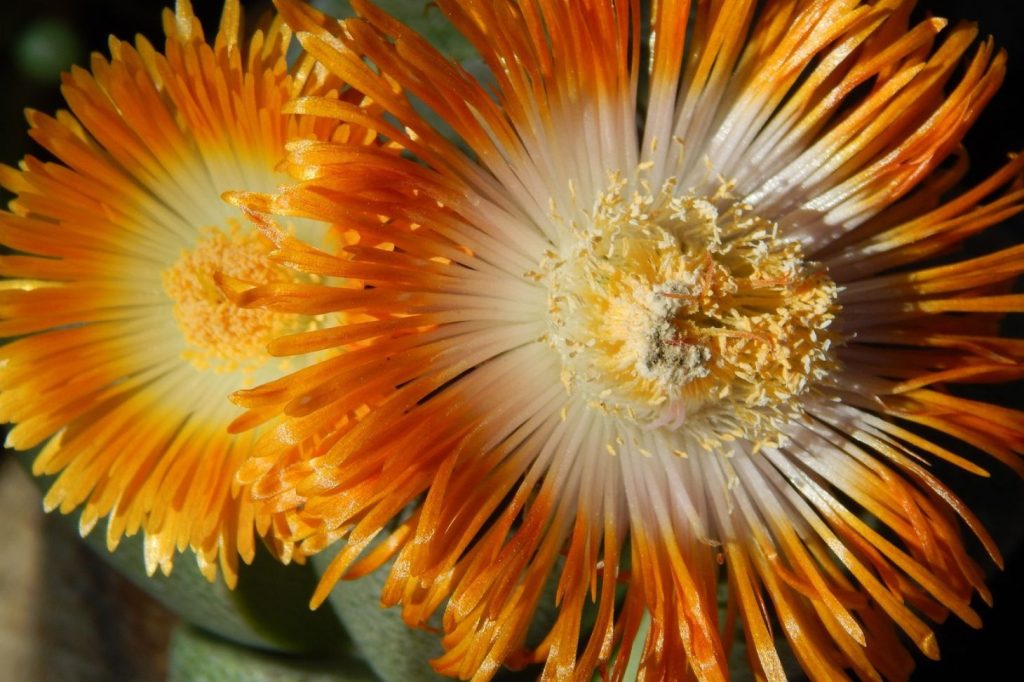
(687, 313)
(222, 336)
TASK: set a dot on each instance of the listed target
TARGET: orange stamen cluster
(224, 337)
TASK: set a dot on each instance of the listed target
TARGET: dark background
(38, 39)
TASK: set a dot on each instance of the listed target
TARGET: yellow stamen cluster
(222, 336)
(687, 312)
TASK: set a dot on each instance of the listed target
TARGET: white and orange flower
(673, 325)
(126, 351)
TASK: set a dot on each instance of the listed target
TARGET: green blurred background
(40, 38)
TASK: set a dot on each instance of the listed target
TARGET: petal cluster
(664, 343)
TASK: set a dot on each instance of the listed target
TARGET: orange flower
(126, 350)
(668, 329)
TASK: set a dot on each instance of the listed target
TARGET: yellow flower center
(687, 312)
(222, 336)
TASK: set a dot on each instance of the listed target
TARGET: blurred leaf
(422, 15)
(196, 656)
(45, 48)
(427, 19)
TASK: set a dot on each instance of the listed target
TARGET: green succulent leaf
(197, 656)
(268, 609)
(396, 652)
